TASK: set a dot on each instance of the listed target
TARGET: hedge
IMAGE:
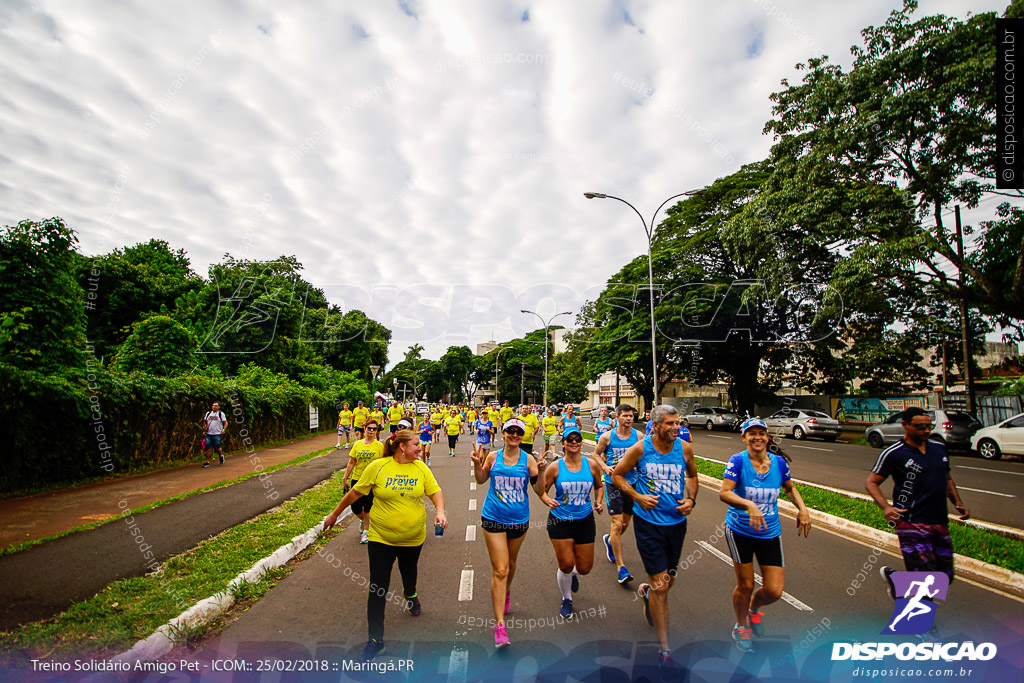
(94, 422)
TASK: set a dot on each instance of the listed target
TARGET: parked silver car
(800, 424)
(711, 418)
(596, 412)
(953, 428)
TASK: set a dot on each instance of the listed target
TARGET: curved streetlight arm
(598, 195)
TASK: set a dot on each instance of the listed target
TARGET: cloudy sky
(425, 160)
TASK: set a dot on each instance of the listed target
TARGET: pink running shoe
(508, 602)
(500, 636)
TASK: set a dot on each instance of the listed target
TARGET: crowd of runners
(645, 482)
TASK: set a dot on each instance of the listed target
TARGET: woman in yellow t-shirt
(366, 451)
(398, 482)
(453, 427)
(344, 425)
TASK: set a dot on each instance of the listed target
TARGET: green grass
(18, 547)
(131, 609)
(980, 544)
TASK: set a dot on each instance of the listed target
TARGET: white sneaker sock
(565, 584)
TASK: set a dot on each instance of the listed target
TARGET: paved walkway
(46, 514)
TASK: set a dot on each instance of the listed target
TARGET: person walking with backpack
(214, 425)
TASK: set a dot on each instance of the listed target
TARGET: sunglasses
(515, 432)
(574, 439)
(922, 427)
(371, 429)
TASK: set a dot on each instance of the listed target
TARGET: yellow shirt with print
(395, 414)
(345, 418)
(435, 418)
(378, 415)
(364, 453)
(398, 516)
(470, 416)
(550, 424)
(453, 425)
(359, 416)
(506, 414)
(532, 425)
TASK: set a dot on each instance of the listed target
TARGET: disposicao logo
(914, 614)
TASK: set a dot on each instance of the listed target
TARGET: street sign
(314, 417)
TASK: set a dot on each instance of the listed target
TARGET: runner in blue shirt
(603, 423)
(505, 517)
(662, 470)
(484, 436)
(571, 525)
(751, 485)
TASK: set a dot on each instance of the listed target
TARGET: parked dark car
(953, 428)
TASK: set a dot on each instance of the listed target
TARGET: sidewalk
(46, 514)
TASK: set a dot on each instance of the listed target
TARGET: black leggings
(452, 440)
(382, 559)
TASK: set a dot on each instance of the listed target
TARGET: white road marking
(803, 607)
(458, 666)
(472, 486)
(466, 586)
(716, 436)
(986, 469)
(471, 533)
(994, 493)
(472, 503)
(813, 448)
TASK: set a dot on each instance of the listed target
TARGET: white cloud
(398, 143)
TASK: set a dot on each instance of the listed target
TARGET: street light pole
(374, 369)
(649, 230)
(547, 323)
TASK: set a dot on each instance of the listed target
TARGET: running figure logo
(914, 613)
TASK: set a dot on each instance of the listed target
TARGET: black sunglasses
(574, 439)
(371, 429)
(515, 432)
(921, 426)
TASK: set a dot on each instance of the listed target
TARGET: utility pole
(522, 381)
(964, 324)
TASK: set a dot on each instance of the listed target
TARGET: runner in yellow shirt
(436, 418)
(550, 423)
(471, 415)
(532, 425)
(395, 414)
(344, 425)
(506, 413)
(359, 416)
(398, 482)
(453, 427)
(378, 415)
(366, 451)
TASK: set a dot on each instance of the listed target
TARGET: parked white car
(1005, 437)
(800, 424)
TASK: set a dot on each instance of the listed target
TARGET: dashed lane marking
(803, 607)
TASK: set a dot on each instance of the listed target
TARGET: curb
(162, 641)
(966, 567)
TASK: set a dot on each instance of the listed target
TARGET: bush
(91, 422)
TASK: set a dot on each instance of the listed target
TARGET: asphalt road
(82, 564)
(992, 490)
(833, 588)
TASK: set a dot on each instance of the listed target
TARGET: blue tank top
(572, 490)
(483, 432)
(602, 426)
(570, 422)
(762, 489)
(506, 500)
(425, 431)
(661, 474)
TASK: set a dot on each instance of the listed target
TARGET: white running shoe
(364, 537)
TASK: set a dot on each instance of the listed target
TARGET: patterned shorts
(926, 547)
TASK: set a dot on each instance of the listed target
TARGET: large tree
(871, 161)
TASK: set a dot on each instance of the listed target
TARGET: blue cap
(753, 422)
(572, 430)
